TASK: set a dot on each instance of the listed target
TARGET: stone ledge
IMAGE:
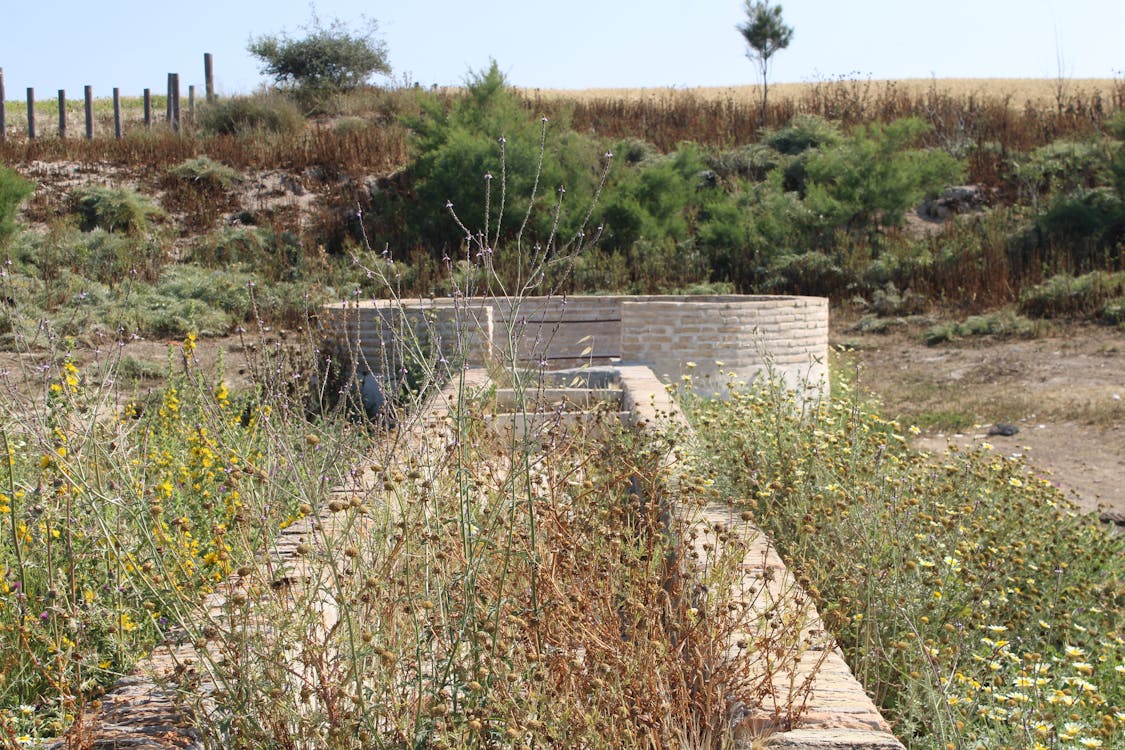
(837, 713)
(831, 739)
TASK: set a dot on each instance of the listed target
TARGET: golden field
(1039, 92)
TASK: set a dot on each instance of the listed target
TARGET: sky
(577, 44)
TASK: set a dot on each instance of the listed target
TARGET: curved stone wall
(711, 338)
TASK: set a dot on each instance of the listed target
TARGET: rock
(371, 393)
(954, 200)
(1117, 518)
(1006, 430)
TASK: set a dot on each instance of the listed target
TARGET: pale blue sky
(563, 44)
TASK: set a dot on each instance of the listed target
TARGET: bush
(204, 173)
(251, 115)
(653, 201)
(635, 150)
(113, 209)
(1065, 166)
(873, 178)
(802, 133)
(14, 190)
(752, 162)
(806, 273)
(1064, 295)
(888, 301)
(1093, 217)
(744, 234)
(1003, 324)
(487, 152)
(230, 246)
(110, 257)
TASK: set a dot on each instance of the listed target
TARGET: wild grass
(974, 602)
(118, 507)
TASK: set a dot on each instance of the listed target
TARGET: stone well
(706, 337)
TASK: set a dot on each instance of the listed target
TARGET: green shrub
(113, 209)
(14, 190)
(654, 200)
(486, 151)
(225, 290)
(665, 200)
(1065, 166)
(1002, 323)
(802, 133)
(232, 245)
(250, 115)
(1095, 216)
(888, 301)
(1064, 295)
(812, 273)
(635, 150)
(752, 162)
(874, 177)
(204, 173)
(1114, 312)
(110, 257)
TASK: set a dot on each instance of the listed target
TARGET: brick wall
(721, 338)
(710, 338)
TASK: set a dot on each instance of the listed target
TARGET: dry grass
(1038, 93)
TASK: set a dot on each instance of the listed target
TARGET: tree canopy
(332, 58)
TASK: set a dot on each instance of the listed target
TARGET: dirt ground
(1063, 390)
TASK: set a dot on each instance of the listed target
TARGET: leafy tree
(331, 58)
(765, 33)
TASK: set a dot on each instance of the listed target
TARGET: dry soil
(1063, 390)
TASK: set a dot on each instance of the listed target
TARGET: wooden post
(62, 113)
(191, 106)
(30, 113)
(168, 107)
(117, 113)
(3, 114)
(148, 108)
(176, 102)
(88, 95)
(209, 76)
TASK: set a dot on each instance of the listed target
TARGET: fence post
(3, 114)
(168, 107)
(176, 102)
(88, 94)
(209, 76)
(117, 113)
(148, 108)
(191, 106)
(30, 113)
(62, 114)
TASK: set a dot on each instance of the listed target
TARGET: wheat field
(1021, 92)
